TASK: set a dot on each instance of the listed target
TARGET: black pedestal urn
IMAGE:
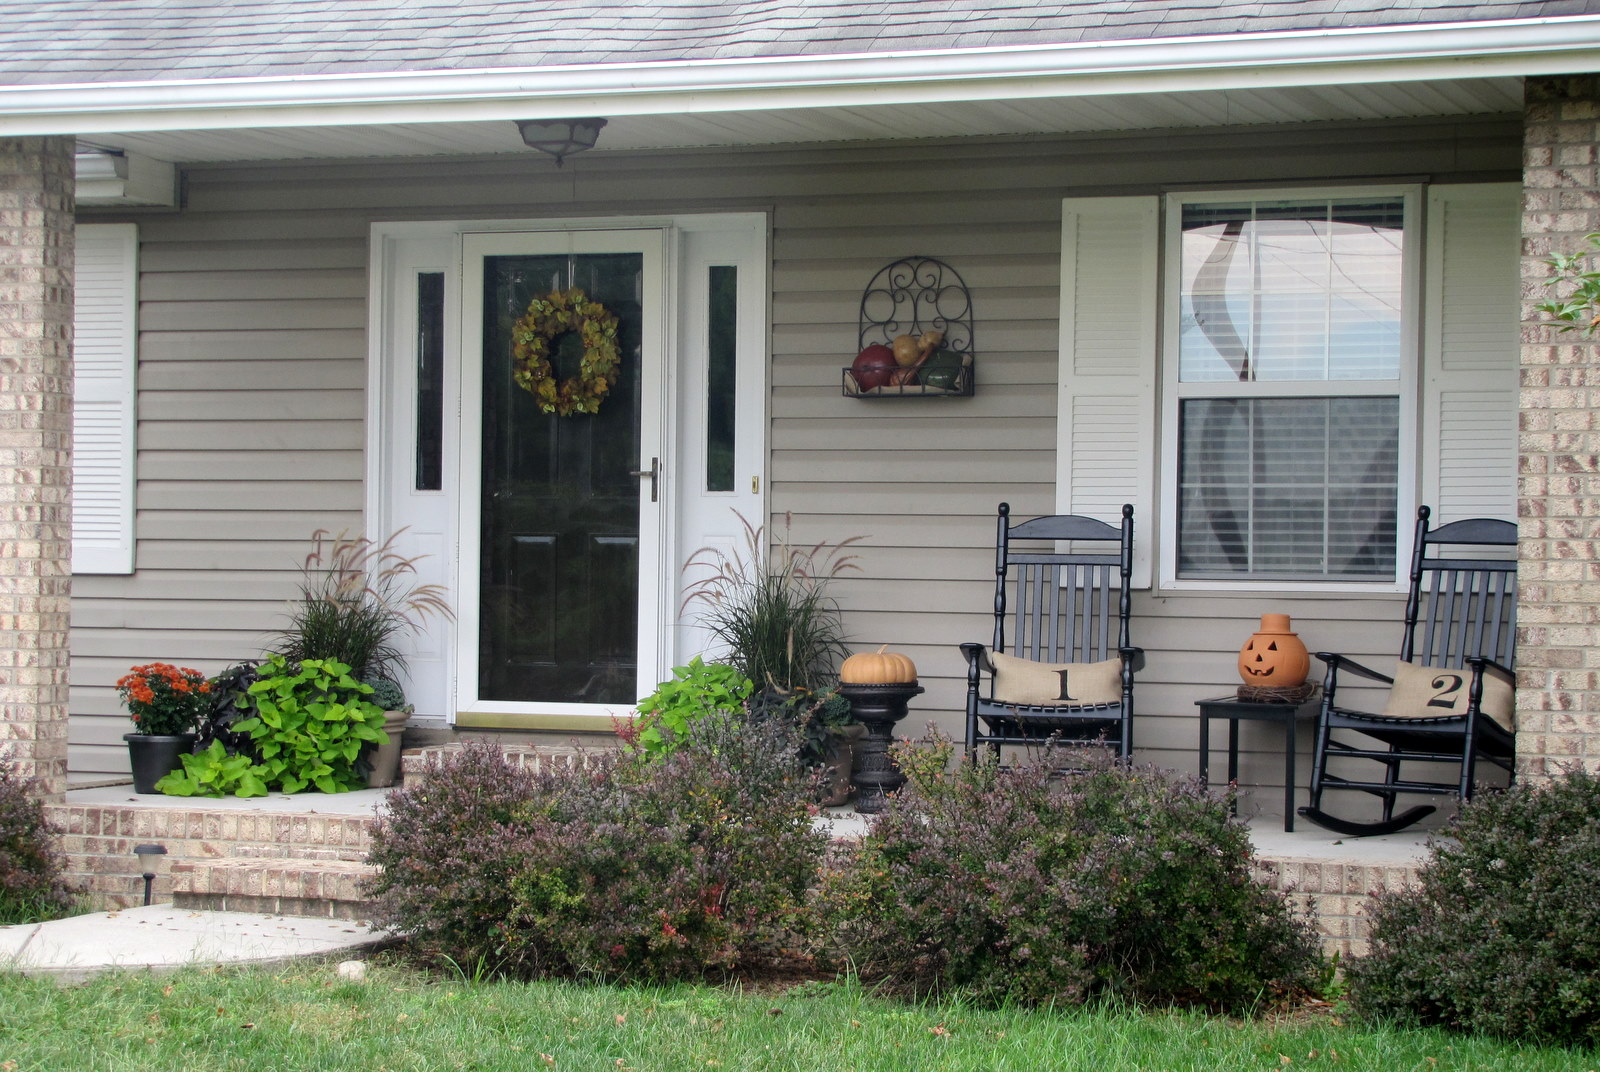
(878, 707)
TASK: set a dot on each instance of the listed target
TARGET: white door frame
(656, 372)
(443, 677)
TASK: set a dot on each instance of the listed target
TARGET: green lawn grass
(15, 910)
(399, 1019)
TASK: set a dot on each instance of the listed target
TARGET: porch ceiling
(772, 126)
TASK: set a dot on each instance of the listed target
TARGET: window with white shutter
(1291, 386)
(105, 331)
(1329, 358)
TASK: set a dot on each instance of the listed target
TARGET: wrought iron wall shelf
(913, 296)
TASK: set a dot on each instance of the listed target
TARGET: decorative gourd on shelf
(881, 667)
(940, 369)
(907, 350)
(874, 366)
(1274, 658)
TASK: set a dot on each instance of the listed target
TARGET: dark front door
(561, 500)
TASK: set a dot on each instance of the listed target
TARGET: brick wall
(36, 283)
(97, 841)
(1558, 649)
(1337, 893)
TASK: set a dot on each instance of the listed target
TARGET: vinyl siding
(253, 312)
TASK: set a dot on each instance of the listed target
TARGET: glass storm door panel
(560, 499)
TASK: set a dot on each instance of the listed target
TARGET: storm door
(567, 504)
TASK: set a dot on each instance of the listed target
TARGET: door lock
(654, 473)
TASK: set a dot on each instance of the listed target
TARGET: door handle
(654, 473)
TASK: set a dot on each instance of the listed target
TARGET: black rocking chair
(1459, 636)
(1067, 674)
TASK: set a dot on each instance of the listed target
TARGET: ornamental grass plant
(772, 609)
(357, 598)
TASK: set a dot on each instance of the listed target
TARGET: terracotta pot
(1274, 657)
(385, 758)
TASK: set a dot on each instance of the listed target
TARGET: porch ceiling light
(560, 137)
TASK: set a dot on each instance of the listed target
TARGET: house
(1264, 270)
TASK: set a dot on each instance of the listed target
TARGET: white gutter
(1501, 48)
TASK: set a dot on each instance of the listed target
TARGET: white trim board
(1498, 48)
(399, 251)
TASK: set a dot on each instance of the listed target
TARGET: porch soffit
(1060, 115)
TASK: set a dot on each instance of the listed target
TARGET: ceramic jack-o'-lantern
(1274, 657)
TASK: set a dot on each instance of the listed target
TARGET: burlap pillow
(1025, 682)
(1437, 692)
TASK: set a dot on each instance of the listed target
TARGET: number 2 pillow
(1437, 692)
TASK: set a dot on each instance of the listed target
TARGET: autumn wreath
(549, 317)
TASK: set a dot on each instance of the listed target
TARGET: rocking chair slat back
(1062, 611)
(1062, 605)
(1465, 607)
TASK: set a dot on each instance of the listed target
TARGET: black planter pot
(154, 757)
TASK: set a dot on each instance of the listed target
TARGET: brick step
(416, 763)
(285, 886)
(98, 839)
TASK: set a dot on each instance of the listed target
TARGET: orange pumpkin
(879, 667)
(1274, 658)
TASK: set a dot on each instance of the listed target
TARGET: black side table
(1236, 710)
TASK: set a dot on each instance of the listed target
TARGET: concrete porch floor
(359, 802)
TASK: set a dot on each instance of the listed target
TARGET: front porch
(274, 399)
(304, 855)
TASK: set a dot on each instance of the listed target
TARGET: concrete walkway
(161, 937)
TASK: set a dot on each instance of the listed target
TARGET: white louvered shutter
(1471, 352)
(1105, 424)
(104, 359)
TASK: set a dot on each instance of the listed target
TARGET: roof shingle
(60, 41)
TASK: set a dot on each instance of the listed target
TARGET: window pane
(721, 377)
(1288, 488)
(1291, 290)
(430, 381)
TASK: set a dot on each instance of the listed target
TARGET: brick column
(36, 259)
(1558, 634)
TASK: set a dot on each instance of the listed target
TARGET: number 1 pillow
(1030, 684)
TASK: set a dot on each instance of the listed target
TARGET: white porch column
(36, 284)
